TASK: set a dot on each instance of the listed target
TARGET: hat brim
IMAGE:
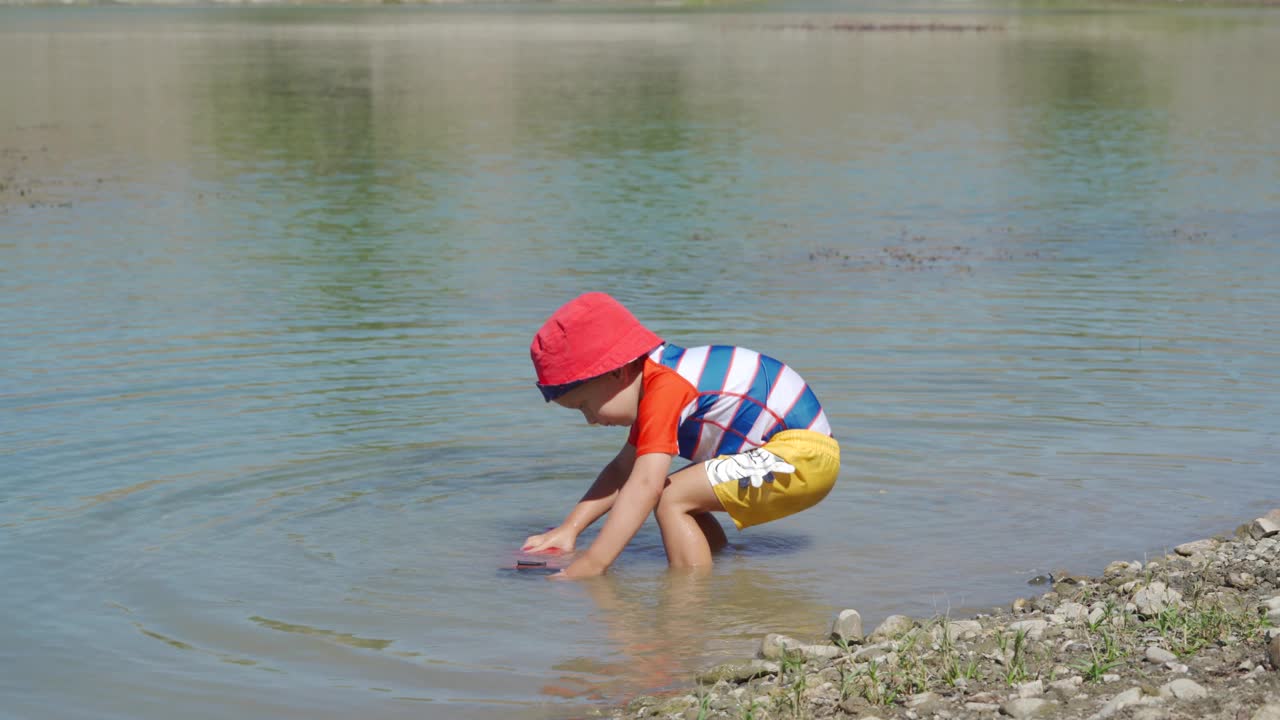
(551, 392)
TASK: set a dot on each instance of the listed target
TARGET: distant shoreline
(651, 4)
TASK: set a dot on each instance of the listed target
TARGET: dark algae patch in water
(915, 252)
(893, 27)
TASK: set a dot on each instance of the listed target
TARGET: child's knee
(673, 501)
(666, 502)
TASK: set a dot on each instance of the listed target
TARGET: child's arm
(637, 498)
(596, 502)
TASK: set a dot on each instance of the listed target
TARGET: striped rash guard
(714, 400)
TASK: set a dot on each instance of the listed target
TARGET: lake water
(268, 433)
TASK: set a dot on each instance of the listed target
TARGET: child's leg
(683, 515)
(712, 530)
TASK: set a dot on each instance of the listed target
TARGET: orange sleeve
(665, 396)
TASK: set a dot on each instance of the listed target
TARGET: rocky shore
(1189, 635)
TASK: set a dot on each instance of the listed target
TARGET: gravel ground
(1189, 635)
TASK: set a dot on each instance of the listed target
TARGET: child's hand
(555, 540)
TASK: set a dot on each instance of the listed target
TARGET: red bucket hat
(588, 336)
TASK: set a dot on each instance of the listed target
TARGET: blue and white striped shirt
(743, 399)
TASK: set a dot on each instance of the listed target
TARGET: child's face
(611, 399)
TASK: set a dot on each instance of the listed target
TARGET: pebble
(1264, 527)
(737, 672)
(1241, 580)
(1033, 628)
(820, 652)
(1096, 614)
(1155, 598)
(1159, 655)
(872, 652)
(1033, 689)
(1068, 612)
(1267, 712)
(1183, 689)
(1132, 696)
(774, 646)
(847, 627)
(1066, 689)
(892, 627)
(1196, 547)
(927, 703)
(1022, 708)
(958, 630)
(1121, 567)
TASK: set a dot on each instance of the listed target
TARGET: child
(760, 443)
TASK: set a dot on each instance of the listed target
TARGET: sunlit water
(268, 434)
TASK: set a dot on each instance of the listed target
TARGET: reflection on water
(269, 276)
(656, 630)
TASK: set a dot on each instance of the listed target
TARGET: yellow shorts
(816, 458)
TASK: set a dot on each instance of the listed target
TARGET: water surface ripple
(269, 434)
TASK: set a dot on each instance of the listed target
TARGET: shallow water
(269, 438)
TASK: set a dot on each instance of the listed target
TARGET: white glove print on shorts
(753, 467)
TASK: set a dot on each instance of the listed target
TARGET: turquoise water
(269, 436)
